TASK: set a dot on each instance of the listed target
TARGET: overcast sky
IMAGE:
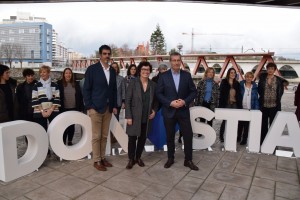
(83, 27)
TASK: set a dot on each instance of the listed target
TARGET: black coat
(78, 97)
(224, 94)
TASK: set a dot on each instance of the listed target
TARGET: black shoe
(179, 140)
(140, 162)
(169, 163)
(199, 135)
(70, 143)
(191, 165)
(130, 164)
(221, 139)
(243, 142)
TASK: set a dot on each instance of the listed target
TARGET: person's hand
(129, 122)
(92, 110)
(44, 113)
(181, 102)
(175, 104)
(152, 115)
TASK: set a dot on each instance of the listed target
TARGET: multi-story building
(32, 34)
(59, 51)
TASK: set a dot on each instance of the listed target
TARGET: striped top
(39, 96)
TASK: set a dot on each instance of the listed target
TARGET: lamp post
(179, 47)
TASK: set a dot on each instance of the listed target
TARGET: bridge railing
(200, 60)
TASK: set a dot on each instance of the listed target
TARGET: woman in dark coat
(230, 95)
(297, 102)
(24, 95)
(131, 74)
(70, 99)
(141, 108)
(8, 101)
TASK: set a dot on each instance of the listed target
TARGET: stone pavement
(222, 175)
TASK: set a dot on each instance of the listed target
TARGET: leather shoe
(130, 164)
(179, 140)
(169, 163)
(105, 163)
(243, 142)
(99, 166)
(140, 162)
(191, 165)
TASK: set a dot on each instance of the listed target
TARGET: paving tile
(44, 193)
(41, 171)
(71, 166)
(232, 156)
(245, 167)
(205, 168)
(103, 193)
(249, 157)
(127, 185)
(276, 175)
(213, 187)
(205, 195)
(48, 178)
(230, 178)
(158, 174)
(280, 198)
(260, 193)
(71, 186)
(158, 190)
(18, 189)
(99, 176)
(226, 165)
(178, 195)
(234, 193)
(2, 198)
(287, 164)
(287, 191)
(264, 183)
(267, 161)
(22, 198)
(189, 184)
(144, 196)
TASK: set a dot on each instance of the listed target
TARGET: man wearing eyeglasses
(100, 99)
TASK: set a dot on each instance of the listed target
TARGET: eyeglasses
(105, 53)
(145, 69)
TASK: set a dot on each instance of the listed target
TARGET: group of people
(105, 92)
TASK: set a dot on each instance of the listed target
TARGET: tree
(172, 51)
(114, 50)
(8, 52)
(157, 42)
(20, 52)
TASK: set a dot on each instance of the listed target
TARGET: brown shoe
(130, 164)
(140, 162)
(191, 165)
(105, 163)
(99, 166)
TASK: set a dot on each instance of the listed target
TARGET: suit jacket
(97, 94)
(134, 106)
(166, 93)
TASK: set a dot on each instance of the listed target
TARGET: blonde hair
(206, 71)
(45, 67)
(249, 74)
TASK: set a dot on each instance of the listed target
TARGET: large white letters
(201, 128)
(10, 166)
(275, 138)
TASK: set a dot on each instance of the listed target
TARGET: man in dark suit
(100, 99)
(176, 90)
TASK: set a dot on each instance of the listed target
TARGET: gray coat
(134, 105)
(121, 87)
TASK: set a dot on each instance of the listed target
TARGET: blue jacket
(96, 91)
(166, 93)
(254, 94)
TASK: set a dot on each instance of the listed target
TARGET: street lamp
(179, 47)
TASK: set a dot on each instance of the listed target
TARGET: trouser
(243, 129)
(268, 115)
(100, 126)
(136, 144)
(206, 105)
(186, 131)
(69, 132)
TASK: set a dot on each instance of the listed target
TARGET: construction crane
(193, 34)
